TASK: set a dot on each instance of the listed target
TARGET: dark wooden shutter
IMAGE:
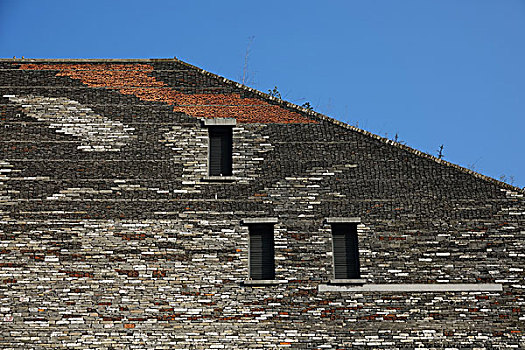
(220, 151)
(262, 264)
(346, 252)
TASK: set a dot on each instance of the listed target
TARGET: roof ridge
(356, 129)
(98, 60)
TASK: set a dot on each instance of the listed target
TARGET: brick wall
(111, 236)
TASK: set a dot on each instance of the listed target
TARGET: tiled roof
(135, 79)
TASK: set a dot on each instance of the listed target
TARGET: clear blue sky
(435, 72)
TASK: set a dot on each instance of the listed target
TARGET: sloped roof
(136, 80)
(254, 107)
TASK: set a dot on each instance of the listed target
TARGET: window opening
(220, 151)
(345, 251)
(262, 262)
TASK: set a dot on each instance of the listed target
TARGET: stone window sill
(263, 282)
(357, 281)
(220, 178)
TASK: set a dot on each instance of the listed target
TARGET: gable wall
(130, 247)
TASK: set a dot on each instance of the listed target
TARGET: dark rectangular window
(346, 252)
(220, 151)
(262, 264)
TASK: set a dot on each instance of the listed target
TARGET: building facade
(151, 204)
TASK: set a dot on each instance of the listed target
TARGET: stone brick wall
(111, 236)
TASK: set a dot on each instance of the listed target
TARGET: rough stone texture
(69, 117)
(130, 247)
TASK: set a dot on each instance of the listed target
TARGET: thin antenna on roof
(246, 56)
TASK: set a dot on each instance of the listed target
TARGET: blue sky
(434, 72)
